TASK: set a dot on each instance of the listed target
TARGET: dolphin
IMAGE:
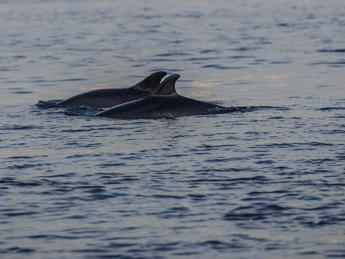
(165, 103)
(105, 98)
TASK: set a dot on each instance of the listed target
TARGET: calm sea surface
(261, 184)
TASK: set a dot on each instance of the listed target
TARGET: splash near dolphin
(104, 98)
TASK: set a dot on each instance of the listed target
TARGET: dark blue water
(268, 183)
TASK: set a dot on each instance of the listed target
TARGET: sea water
(266, 183)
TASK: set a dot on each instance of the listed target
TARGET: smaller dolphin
(105, 98)
(165, 103)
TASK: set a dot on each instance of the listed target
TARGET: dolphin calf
(165, 103)
(105, 98)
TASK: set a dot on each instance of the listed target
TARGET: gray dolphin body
(105, 98)
(166, 103)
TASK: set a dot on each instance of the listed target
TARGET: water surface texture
(268, 183)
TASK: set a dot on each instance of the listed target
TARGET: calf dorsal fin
(151, 83)
(167, 87)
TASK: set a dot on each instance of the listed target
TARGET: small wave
(216, 66)
(20, 127)
(197, 197)
(244, 49)
(172, 54)
(309, 222)
(295, 144)
(16, 249)
(11, 214)
(339, 63)
(26, 166)
(52, 236)
(330, 108)
(14, 182)
(240, 57)
(283, 24)
(255, 213)
(206, 51)
(200, 58)
(221, 245)
(332, 50)
(174, 212)
(22, 92)
(82, 111)
(278, 62)
(166, 196)
(48, 104)
(257, 108)
(25, 157)
(5, 69)
(106, 165)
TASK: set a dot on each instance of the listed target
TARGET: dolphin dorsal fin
(151, 83)
(167, 87)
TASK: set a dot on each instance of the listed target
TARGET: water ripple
(267, 181)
